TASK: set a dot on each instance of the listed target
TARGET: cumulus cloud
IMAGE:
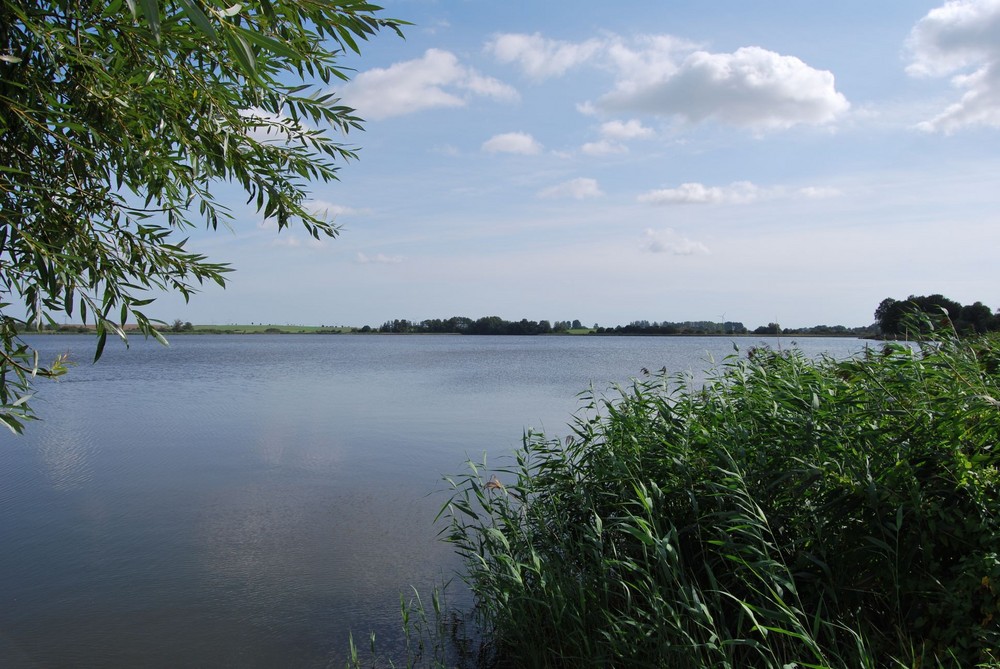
(447, 150)
(379, 258)
(613, 134)
(513, 142)
(295, 242)
(818, 192)
(669, 241)
(625, 130)
(603, 147)
(329, 209)
(960, 36)
(647, 59)
(668, 76)
(741, 192)
(433, 81)
(541, 58)
(319, 208)
(751, 87)
(578, 189)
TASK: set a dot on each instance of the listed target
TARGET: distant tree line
(896, 318)
(487, 325)
(682, 328)
(494, 325)
(893, 318)
(732, 328)
(822, 330)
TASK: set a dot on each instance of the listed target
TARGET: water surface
(250, 500)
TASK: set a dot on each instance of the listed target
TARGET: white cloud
(603, 147)
(447, 150)
(541, 58)
(741, 192)
(439, 26)
(959, 35)
(979, 106)
(577, 189)
(490, 87)
(669, 241)
(752, 87)
(378, 258)
(819, 192)
(668, 76)
(624, 130)
(653, 59)
(613, 133)
(329, 209)
(433, 81)
(319, 208)
(512, 142)
(290, 241)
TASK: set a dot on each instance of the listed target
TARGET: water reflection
(248, 501)
(317, 453)
(65, 455)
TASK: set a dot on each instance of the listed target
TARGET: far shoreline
(271, 329)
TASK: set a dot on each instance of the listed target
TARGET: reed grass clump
(791, 512)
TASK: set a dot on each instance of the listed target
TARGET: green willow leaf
(198, 17)
(102, 339)
(122, 131)
(151, 10)
(240, 49)
(269, 43)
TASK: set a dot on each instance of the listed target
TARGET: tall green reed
(434, 634)
(790, 512)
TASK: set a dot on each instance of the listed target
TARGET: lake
(250, 500)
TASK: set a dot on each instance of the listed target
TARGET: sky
(773, 161)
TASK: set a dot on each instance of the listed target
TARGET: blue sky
(767, 161)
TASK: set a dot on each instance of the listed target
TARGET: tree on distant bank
(895, 317)
(118, 118)
(644, 327)
(769, 329)
(978, 317)
(487, 325)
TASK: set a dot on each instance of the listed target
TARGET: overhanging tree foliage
(117, 120)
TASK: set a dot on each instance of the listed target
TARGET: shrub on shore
(789, 513)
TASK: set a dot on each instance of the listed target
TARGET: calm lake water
(247, 501)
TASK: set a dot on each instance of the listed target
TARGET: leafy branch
(118, 121)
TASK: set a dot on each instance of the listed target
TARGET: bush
(791, 512)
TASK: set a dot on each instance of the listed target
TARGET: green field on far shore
(265, 329)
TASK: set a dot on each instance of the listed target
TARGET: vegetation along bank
(790, 513)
